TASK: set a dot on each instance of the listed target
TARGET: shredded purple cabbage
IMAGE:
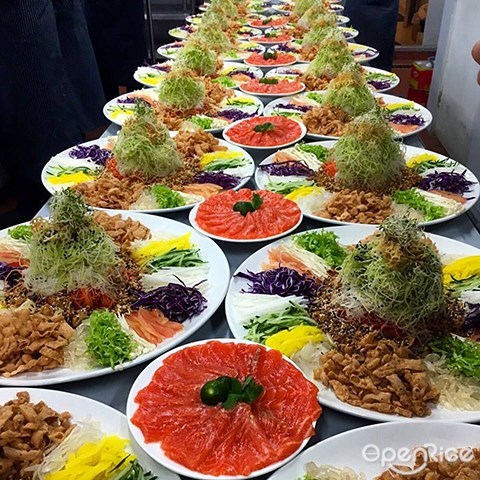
(368, 53)
(379, 84)
(240, 72)
(472, 317)
(284, 47)
(290, 71)
(403, 119)
(298, 108)
(95, 153)
(131, 100)
(227, 182)
(447, 181)
(161, 67)
(285, 169)
(9, 274)
(254, 49)
(280, 281)
(234, 114)
(177, 302)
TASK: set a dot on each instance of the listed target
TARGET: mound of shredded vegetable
(180, 90)
(197, 56)
(397, 274)
(301, 6)
(144, 146)
(320, 30)
(367, 156)
(70, 250)
(315, 13)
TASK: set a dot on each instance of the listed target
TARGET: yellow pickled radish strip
(461, 269)
(94, 461)
(156, 248)
(424, 157)
(212, 156)
(290, 341)
(79, 177)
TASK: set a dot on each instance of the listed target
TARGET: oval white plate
(111, 421)
(155, 451)
(388, 99)
(274, 147)
(302, 67)
(255, 107)
(350, 449)
(218, 274)
(192, 219)
(349, 235)
(261, 179)
(230, 67)
(179, 33)
(63, 158)
(156, 76)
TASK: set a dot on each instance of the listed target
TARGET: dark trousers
(376, 20)
(50, 90)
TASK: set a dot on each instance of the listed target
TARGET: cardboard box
(421, 75)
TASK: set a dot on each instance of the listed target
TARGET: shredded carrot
(92, 298)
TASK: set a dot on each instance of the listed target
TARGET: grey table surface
(113, 389)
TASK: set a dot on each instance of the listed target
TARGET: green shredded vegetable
(322, 153)
(133, 472)
(324, 244)
(315, 96)
(144, 146)
(175, 258)
(462, 355)
(203, 122)
(108, 344)
(367, 155)
(179, 89)
(301, 6)
(166, 197)
(416, 201)
(320, 28)
(465, 284)
(226, 81)
(397, 274)
(284, 188)
(58, 170)
(223, 164)
(261, 327)
(21, 232)
(422, 167)
(197, 56)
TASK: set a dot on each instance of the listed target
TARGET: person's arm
(476, 57)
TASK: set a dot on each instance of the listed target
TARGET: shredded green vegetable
(301, 6)
(430, 164)
(416, 201)
(181, 90)
(108, 344)
(323, 244)
(397, 274)
(144, 146)
(197, 56)
(21, 232)
(226, 81)
(133, 472)
(58, 170)
(166, 197)
(465, 284)
(284, 188)
(223, 164)
(203, 122)
(320, 28)
(317, 97)
(261, 327)
(70, 250)
(211, 33)
(322, 153)
(462, 355)
(175, 258)
(367, 155)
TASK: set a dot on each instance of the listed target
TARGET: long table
(113, 389)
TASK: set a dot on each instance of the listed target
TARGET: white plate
(262, 178)
(302, 67)
(63, 158)
(342, 20)
(192, 219)
(276, 147)
(181, 33)
(363, 53)
(351, 449)
(218, 274)
(111, 421)
(349, 235)
(250, 32)
(110, 106)
(273, 95)
(155, 451)
(388, 99)
(155, 76)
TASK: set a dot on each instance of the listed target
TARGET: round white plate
(155, 451)
(183, 32)
(276, 147)
(150, 76)
(273, 95)
(370, 450)
(388, 99)
(262, 178)
(127, 109)
(363, 53)
(111, 421)
(218, 274)
(170, 50)
(342, 20)
(302, 67)
(349, 235)
(64, 159)
(192, 219)
(246, 32)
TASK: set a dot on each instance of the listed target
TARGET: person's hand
(476, 57)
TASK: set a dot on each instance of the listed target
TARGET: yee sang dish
(42, 444)
(242, 408)
(272, 86)
(366, 176)
(87, 291)
(144, 168)
(247, 215)
(389, 324)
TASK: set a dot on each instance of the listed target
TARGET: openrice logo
(407, 461)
